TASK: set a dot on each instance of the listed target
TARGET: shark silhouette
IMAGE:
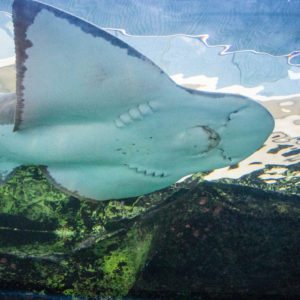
(104, 121)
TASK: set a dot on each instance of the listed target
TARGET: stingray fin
(103, 183)
(71, 71)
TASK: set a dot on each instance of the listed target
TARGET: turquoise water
(115, 101)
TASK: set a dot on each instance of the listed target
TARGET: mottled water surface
(228, 232)
(265, 26)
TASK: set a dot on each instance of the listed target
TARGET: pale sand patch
(7, 61)
(8, 79)
(275, 107)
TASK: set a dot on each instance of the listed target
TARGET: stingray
(103, 121)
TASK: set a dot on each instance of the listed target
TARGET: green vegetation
(64, 244)
(196, 237)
